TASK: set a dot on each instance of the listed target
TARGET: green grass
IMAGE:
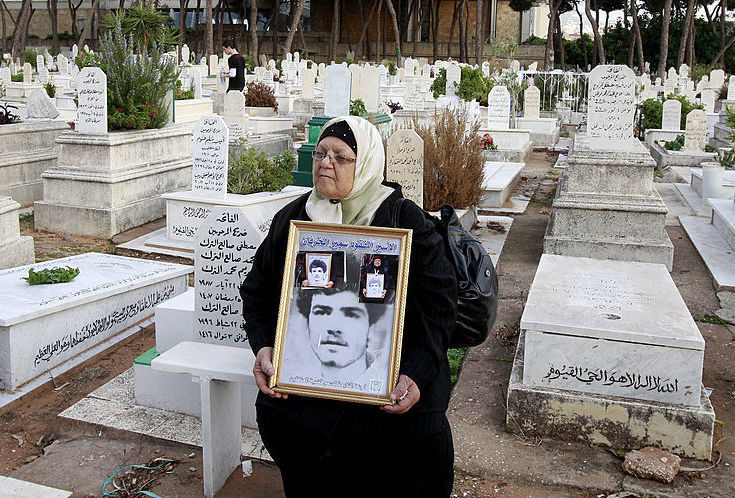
(713, 319)
(455, 356)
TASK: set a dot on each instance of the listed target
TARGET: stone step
(723, 219)
(727, 187)
(15, 487)
(717, 254)
(692, 198)
(500, 180)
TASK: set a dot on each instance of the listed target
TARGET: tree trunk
(560, 43)
(550, 35)
(637, 32)
(691, 49)
(335, 31)
(461, 32)
(435, 30)
(303, 40)
(208, 30)
(20, 20)
(217, 43)
(183, 4)
(253, 28)
(295, 19)
(723, 12)
(721, 53)
(364, 32)
(52, 6)
(596, 31)
(466, 31)
(3, 28)
(275, 25)
(451, 30)
(479, 32)
(378, 39)
(685, 33)
(664, 46)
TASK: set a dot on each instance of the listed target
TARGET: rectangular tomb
(611, 328)
(43, 326)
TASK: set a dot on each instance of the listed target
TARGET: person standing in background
(236, 63)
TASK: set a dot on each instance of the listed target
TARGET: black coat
(431, 308)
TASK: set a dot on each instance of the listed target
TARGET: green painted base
(381, 121)
(302, 178)
(147, 357)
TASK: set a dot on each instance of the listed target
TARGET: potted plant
(392, 72)
(260, 100)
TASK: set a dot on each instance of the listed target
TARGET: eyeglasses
(340, 159)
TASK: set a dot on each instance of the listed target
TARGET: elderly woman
(331, 448)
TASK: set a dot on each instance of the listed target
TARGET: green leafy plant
(30, 56)
(16, 78)
(87, 59)
(181, 94)
(439, 86)
(455, 357)
(730, 122)
(565, 134)
(392, 69)
(7, 116)
(676, 144)
(652, 110)
(137, 86)
(726, 158)
(54, 275)
(710, 148)
(251, 171)
(144, 24)
(488, 143)
(474, 85)
(357, 108)
(50, 89)
(349, 61)
(260, 95)
(249, 63)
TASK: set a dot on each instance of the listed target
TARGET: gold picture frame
(329, 342)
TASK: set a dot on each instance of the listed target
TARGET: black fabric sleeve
(431, 300)
(261, 290)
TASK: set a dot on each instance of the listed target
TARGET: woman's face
(331, 179)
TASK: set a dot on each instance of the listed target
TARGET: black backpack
(477, 282)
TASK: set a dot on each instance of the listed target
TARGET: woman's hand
(406, 394)
(262, 370)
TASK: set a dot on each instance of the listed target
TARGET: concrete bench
(220, 369)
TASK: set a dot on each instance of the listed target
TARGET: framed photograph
(340, 328)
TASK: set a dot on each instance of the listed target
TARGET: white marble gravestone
(337, 91)
(209, 149)
(213, 64)
(40, 107)
(454, 75)
(40, 62)
(498, 108)
(235, 115)
(717, 79)
(43, 75)
(708, 100)
(611, 106)
(5, 75)
(27, 73)
(683, 71)
(405, 163)
(43, 326)
(611, 328)
(92, 107)
(223, 256)
(671, 115)
(410, 65)
(307, 83)
(196, 82)
(355, 86)
(185, 54)
(370, 85)
(695, 134)
(531, 102)
(74, 51)
(731, 89)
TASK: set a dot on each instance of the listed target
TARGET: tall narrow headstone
(307, 83)
(185, 54)
(223, 256)
(695, 135)
(213, 64)
(717, 78)
(92, 98)
(531, 102)
(43, 74)
(731, 89)
(74, 51)
(209, 148)
(27, 72)
(454, 76)
(337, 91)
(196, 82)
(370, 85)
(498, 108)
(671, 115)
(40, 62)
(5, 75)
(405, 164)
(708, 100)
(235, 115)
(356, 82)
(611, 105)
(410, 65)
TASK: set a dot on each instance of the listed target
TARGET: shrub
(730, 121)
(474, 85)
(439, 86)
(16, 78)
(87, 59)
(676, 144)
(652, 113)
(259, 95)
(249, 64)
(392, 69)
(137, 86)
(50, 89)
(453, 160)
(357, 108)
(394, 106)
(7, 116)
(251, 171)
(349, 61)
(30, 56)
(181, 94)
(726, 158)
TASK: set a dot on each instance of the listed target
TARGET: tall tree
(253, 28)
(684, 39)
(364, 33)
(295, 18)
(479, 32)
(664, 46)
(19, 31)
(88, 25)
(334, 35)
(208, 30)
(396, 32)
(596, 32)
(52, 6)
(183, 9)
(435, 29)
(637, 33)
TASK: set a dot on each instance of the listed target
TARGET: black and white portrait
(378, 278)
(320, 270)
(318, 266)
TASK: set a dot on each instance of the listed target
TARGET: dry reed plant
(453, 159)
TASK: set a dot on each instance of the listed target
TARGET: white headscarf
(367, 194)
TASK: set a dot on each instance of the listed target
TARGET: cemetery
(137, 183)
